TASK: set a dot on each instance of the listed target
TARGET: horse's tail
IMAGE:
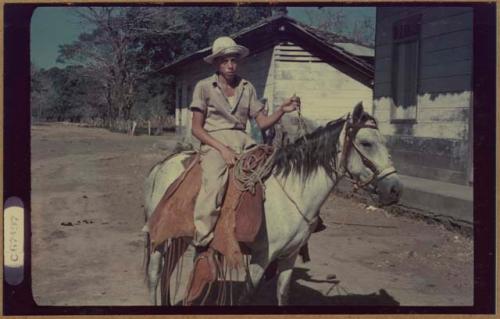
(149, 188)
(150, 185)
(174, 252)
(175, 249)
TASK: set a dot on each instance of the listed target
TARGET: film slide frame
(17, 294)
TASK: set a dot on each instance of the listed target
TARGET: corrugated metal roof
(356, 49)
(348, 49)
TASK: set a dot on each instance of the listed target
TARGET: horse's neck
(308, 194)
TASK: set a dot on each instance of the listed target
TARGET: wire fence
(156, 126)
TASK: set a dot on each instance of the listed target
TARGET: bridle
(351, 130)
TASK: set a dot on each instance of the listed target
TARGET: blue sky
(52, 26)
(352, 13)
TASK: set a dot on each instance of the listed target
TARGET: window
(405, 68)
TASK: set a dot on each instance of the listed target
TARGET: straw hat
(224, 46)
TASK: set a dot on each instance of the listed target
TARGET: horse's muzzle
(389, 189)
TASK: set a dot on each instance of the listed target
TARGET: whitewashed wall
(326, 93)
(436, 145)
(445, 70)
(259, 70)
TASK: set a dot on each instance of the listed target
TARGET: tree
(335, 20)
(43, 94)
(331, 19)
(208, 23)
(128, 45)
(112, 54)
(64, 94)
(279, 10)
(364, 31)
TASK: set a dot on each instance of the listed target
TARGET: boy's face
(227, 66)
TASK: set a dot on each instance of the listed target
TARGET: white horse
(304, 175)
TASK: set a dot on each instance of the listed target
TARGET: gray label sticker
(13, 250)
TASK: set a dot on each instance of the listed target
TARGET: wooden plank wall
(444, 87)
(326, 93)
(445, 72)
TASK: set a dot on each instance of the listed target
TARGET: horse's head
(366, 157)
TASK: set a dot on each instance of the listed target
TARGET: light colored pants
(214, 182)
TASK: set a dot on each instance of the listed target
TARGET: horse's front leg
(285, 269)
(154, 270)
(254, 275)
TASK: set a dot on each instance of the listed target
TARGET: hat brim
(240, 50)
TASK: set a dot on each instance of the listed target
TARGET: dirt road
(87, 243)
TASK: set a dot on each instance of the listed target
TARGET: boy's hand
(291, 104)
(229, 156)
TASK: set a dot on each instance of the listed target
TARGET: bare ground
(87, 244)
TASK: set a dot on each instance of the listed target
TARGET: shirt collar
(215, 80)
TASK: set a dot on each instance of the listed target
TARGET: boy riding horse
(221, 106)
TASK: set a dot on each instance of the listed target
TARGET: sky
(50, 27)
(53, 26)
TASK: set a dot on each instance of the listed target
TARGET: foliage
(208, 23)
(112, 72)
(64, 94)
(364, 31)
(115, 54)
(42, 93)
(335, 20)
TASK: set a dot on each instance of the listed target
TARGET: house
(329, 72)
(423, 89)
(434, 77)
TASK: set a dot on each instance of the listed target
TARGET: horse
(304, 174)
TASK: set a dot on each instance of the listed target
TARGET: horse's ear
(358, 112)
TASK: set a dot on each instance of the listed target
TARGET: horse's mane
(307, 153)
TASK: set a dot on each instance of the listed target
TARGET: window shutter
(405, 68)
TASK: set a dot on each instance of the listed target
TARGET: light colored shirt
(232, 100)
(220, 114)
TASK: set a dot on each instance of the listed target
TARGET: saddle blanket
(239, 221)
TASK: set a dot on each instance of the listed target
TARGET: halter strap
(349, 144)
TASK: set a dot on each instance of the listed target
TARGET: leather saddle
(239, 220)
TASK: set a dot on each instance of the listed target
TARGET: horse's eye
(366, 144)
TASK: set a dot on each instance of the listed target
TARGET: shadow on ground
(300, 294)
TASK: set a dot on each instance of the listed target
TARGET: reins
(349, 144)
(341, 169)
(253, 168)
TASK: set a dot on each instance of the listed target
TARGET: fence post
(134, 125)
(149, 128)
